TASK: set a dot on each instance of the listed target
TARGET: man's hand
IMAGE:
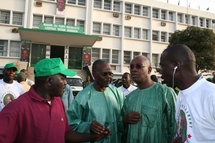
(177, 140)
(131, 118)
(99, 130)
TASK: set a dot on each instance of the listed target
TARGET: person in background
(154, 78)
(127, 86)
(8, 86)
(195, 112)
(60, 7)
(86, 82)
(67, 96)
(29, 82)
(97, 108)
(39, 115)
(21, 78)
(149, 110)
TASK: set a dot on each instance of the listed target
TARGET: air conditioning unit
(127, 17)
(15, 30)
(39, 4)
(116, 14)
(163, 23)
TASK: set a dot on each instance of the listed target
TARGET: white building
(126, 28)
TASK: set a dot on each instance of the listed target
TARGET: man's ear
(49, 80)
(149, 70)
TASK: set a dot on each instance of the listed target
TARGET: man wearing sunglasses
(148, 111)
(97, 108)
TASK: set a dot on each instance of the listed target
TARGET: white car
(75, 83)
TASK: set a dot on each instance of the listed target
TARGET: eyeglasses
(137, 66)
(106, 74)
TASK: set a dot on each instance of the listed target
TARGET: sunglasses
(137, 66)
(106, 74)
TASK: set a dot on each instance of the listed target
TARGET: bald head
(182, 54)
(144, 60)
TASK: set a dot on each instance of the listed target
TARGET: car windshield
(74, 81)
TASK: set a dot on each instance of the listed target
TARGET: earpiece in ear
(175, 67)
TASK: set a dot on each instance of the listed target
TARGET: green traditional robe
(104, 107)
(156, 105)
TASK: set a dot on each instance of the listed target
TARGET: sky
(195, 4)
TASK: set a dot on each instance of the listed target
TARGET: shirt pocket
(148, 116)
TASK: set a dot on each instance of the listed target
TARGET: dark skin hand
(177, 140)
(132, 118)
(99, 129)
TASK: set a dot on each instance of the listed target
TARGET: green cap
(10, 65)
(51, 66)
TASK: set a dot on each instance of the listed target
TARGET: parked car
(75, 83)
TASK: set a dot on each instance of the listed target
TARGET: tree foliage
(201, 42)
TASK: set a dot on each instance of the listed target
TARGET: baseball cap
(10, 65)
(51, 66)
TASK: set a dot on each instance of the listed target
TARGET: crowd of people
(149, 112)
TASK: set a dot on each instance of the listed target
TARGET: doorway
(57, 52)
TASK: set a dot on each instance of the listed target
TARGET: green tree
(202, 43)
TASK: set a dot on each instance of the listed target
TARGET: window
(145, 11)
(96, 28)
(80, 23)
(170, 34)
(180, 18)
(163, 36)
(72, 1)
(48, 19)
(127, 57)
(144, 54)
(70, 22)
(128, 8)
(82, 2)
(145, 34)
(116, 6)
(98, 3)
(106, 29)
(115, 54)
(128, 32)
(105, 54)
(171, 16)
(155, 35)
(136, 33)
(155, 60)
(136, 54)
(116, 30)
(17, 18)
(36, 20)
(75, 58)
(193, 20)
(4, 17)
(163, 14)
(3, 47)
(187, 19)
(59, 21)
(155, 13)
(207, 23)
(15, 49)
(137, 9)
(107, 4)
(201, 22)
(95, 54)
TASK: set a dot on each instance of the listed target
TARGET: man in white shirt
(195, 108)
(127, 86)
(9, 88)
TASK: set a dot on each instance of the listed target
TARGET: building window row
(109, 55)
(137, 33)
(106, 29)
(160, 36)
(11, 17)
(107, 5)
(76, 2)
(57, 20)
(10, 48)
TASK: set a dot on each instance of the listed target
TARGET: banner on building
(60, 7)
(87, 56)
(25, 51)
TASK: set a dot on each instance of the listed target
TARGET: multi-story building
(114, 30)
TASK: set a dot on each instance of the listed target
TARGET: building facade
(119, 30)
